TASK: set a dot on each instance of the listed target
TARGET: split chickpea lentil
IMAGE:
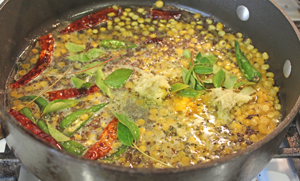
(179, 131)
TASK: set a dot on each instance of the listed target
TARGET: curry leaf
(100, 83)
(205, 61)
(203, 69)
(198, 57)
(126, 121)
(239, 84)
(118, 78)
(94, 53)
(247, 91)
(186, 54)
(178, 86)
(58, 136)
(116, 44)
(186, 75)
(93, 70)
(199, 85)
(87, 56)
(211, 57)
(218, 78)
(79, 57)
(190, 93)
(116, 156)
(207, 81)
(124, 134)
(74, 47)
(77, 82)
(59, 104)
(230, 80)
(192, 82)
(80, 83)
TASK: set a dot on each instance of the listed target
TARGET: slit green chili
(72, 123)
(73, 147)
(40, 102)
(43, 126)
(249, 72)
(26, 112)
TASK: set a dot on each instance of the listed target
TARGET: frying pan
(268, 27)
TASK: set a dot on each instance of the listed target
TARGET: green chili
(43, 126)
(41, 102)
(249, 72)
(26, 112)
(115, 156)
(71, 123)
(73, 147)
(116, 44)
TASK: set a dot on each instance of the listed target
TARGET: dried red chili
(154, 40)
(30, 126)
(42, 64)
(104, 145)
(92, 20)
(71, 93)
(164, 14)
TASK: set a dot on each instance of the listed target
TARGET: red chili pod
(92, 20)
(42, 64)
(71, 93)
(154, 40)
(104, 145)
(165, 14)
(30, 126)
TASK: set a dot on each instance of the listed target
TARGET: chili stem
(96, 65)
(49, 86)
(151, 157)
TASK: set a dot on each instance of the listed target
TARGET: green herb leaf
(178, 86)
(80, 83)
(239, 84)
(207, 81)
(73, 147)
(58, 136)
(203, 69)
(186, 54)
(211, 57)
(116, 44)
(59, 104)
(192, 82)
(87, 56)
(218, 78)
(126, 121)
(247, 91)
(230, 80)
(124, 134)
(41, 102)
(93, 70)
(204, 61)
(77, 82)
(190, 93)
(94, 53)
(74, 47)
(100, 76)
(186, 75)
(79, 57)
(198, 57)
(198, 85)
(118, 78)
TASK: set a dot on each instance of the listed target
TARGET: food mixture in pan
(145, 87)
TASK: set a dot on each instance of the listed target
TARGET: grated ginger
(226, 100)
(154, 87)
